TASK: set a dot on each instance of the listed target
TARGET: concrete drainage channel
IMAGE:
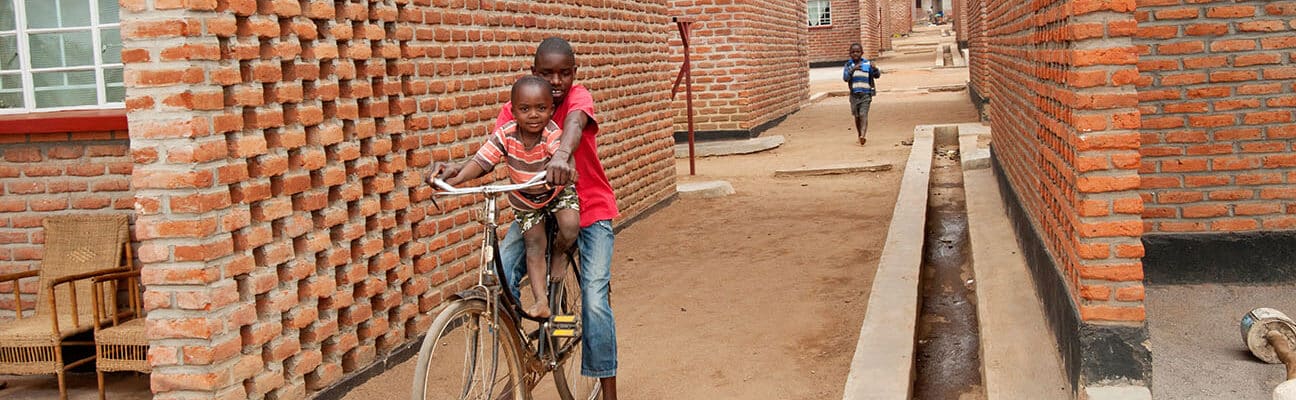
(920, 336)
(947, 354)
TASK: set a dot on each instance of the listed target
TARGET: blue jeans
(598, 351)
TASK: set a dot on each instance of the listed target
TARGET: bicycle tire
(465, 323)
(570, 383)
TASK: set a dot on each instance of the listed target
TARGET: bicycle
(502, 359)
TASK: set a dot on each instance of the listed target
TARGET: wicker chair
(120, 344)
(77, 248)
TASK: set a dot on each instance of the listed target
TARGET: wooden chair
(120, 344)
(77, 248)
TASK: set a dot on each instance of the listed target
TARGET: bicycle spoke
(467, 361)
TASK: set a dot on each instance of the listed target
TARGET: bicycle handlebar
(448, 190)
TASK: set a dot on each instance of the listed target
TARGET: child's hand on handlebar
(442, 170)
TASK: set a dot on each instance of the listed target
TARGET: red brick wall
(54, 173)
(901, 17)
(959, 16)
(831, 43)
(884, 24)
(1217, 92)
(749, 62)
(871, 32)
(285, 235)
(978, 72)
(1065, 127)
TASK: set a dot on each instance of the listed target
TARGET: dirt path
(760, 295)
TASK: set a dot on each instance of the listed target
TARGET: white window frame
(25, 70)
(811, 18)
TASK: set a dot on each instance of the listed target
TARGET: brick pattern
(50, 174)
(959, 15)
(978, 73)
(1217, 92)
(1065, 119)
(885, 20)
(871, 31)
(749, 63)
(901, 17)
(831, 43)
(285, 236)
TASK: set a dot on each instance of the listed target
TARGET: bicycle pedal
(564, 326)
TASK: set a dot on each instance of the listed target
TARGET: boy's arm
(875, 72)
(561, 170)
(468, 171)
(846, 72)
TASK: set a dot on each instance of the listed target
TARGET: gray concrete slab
(1197, 348)
(882, 367)
(1019, 355)
(704, 190)
(833, 170)
(729, 147)
(973, 157)
(944, 88)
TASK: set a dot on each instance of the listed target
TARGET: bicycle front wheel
(571, 384)
(467, 356)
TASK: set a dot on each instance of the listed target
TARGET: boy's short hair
(856, 44)
(555, 45)
(530, 80)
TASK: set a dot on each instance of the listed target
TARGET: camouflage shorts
(566, 199)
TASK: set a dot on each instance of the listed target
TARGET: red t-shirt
(597, 201)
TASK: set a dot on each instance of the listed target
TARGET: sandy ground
(760, 295)
(1197, 348)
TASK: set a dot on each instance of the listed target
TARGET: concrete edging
(1019, 356)
(882, 367)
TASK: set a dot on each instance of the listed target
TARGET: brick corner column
(182, 175)
(870, 28)
(1101, 74)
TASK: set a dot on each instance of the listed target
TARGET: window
(819, 14)
(59, 55)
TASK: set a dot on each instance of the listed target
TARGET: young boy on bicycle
(526, 145)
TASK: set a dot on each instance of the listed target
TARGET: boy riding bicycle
(526, 145)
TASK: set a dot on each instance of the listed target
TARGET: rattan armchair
(77, 248)
(120, 344)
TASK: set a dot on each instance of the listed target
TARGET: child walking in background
(859, 75)
(527, 144)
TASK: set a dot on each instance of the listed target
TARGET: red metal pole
(686, 73)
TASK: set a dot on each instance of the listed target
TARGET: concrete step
(833, 170)
(704, 190)
(729, 147)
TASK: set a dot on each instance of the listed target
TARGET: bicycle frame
(490, 281)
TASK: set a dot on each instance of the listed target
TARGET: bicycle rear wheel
(571, 384)
(466, 356)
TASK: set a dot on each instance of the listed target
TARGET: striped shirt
(504, 144)
(860, 81)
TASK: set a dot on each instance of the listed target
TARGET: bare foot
(540, 309)
(862, 140)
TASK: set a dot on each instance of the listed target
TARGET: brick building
(1141, 142)
(830, 37)
(749, 65)
(872, 23)
(270, 154)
